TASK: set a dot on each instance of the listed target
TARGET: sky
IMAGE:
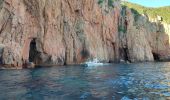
(151, 3)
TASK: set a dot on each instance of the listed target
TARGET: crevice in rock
(33, 51)
(124, 54)
(126, 57)
(156, 56)
(85, 53)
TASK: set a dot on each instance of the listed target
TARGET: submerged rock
(30, 65)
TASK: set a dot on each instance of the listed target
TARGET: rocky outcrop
(143, 39)
(135, 42)
(58, 31)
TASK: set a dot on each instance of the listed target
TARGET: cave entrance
(156, 56)
(126, 54)
(33, 51)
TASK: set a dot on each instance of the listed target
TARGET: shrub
(164, 12)
(110, 2)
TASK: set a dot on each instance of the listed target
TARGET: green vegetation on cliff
(164, 12)
(110, 2)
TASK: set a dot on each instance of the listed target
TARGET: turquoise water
(143, 81)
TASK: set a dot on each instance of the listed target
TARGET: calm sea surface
(142, 81)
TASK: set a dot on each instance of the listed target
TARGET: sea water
(140, 81)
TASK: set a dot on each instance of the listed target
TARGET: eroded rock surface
(143, 39)
(58, 32)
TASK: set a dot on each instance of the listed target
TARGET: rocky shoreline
(67, 32)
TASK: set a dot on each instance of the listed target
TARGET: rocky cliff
(63, 32)
(57, 31)
(144, 38)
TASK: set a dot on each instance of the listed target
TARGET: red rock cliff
(58, 31)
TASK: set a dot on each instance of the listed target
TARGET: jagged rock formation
(58, 32)
(137, 46)
(143, 39)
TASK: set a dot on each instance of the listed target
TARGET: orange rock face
(142, 39)
(58, 31)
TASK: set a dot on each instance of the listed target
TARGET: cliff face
(57, 31)
(133, 35)
(143, 38)
(72, 31)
